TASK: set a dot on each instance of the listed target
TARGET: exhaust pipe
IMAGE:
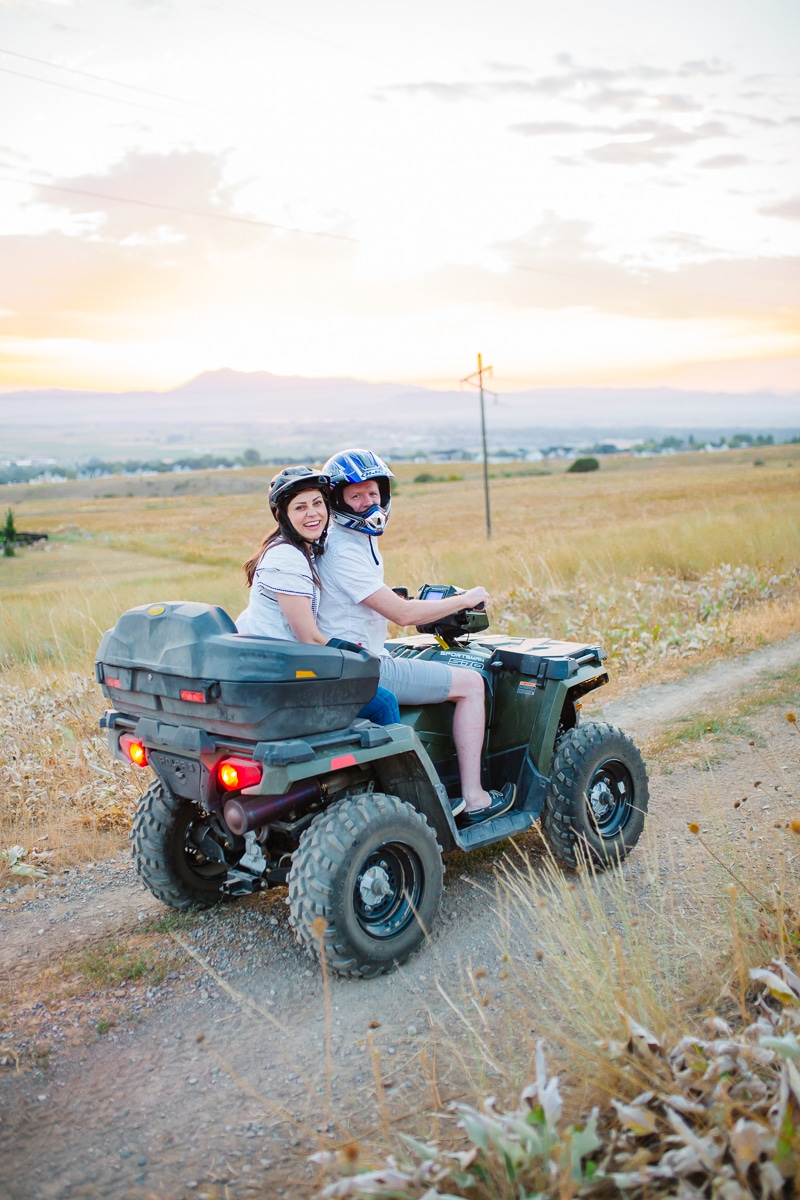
(242, 816)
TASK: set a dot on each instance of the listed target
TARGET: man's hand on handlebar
(476, 597)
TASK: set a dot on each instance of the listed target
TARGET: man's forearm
(412, 612)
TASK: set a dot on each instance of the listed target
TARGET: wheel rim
(388, 890)
(203, 851)
(611, 797)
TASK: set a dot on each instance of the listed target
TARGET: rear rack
(545, 666)
(187, 739)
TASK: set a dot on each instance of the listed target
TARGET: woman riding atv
(282, 574)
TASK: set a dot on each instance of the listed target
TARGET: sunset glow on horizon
(590, 196)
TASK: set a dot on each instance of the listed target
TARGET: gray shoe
(502, 801)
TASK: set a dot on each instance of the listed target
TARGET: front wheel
(178, 852)
(598, 796)
(371, 869)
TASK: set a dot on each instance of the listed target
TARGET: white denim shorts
(415, 680)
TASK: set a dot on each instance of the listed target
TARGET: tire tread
(322, 850)
(153, 823)
(559, 818)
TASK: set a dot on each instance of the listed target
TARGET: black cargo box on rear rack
(186, 663)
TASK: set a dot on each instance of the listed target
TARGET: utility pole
(470, 379)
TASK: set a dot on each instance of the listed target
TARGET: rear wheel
(179, 853)
(598, 796)
(370, 867)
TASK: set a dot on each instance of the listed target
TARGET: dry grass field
(667, 562)
(638, 542)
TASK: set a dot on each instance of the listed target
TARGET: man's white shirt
(350, 570)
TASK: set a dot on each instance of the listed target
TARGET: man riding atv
(356, 605)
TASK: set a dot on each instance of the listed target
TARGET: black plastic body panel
(258, 689)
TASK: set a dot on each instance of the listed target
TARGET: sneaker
(458, 805)
(502, 801)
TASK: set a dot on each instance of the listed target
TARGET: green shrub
(426, 477)
(9, 535)
(583, 464)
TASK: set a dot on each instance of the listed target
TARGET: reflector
(344, 760)
(197, 697)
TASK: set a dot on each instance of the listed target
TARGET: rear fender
(412, 777)
(400, 764)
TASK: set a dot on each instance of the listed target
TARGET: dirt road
(219, 1080)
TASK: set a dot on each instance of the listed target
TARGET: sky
(586, 194)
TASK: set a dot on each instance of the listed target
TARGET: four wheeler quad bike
(264, 775)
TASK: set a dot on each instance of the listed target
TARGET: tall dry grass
(64, 799)
(671, 1011)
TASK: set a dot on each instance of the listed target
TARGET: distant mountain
(229, 410)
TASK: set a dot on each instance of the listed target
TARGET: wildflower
(694, 827)
(795, 826)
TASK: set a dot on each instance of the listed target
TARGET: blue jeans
(383, 708)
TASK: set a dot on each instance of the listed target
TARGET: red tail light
(237, 773)
(195, 697)
(134, 749)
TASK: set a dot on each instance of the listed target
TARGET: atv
(265, 776)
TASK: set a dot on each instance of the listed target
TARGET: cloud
(624, 89)
(660, 135)
(506, 68)
(687, 243)
(550, 128)
(560, 264)
(721, 161)
(146, 192)
(687, 70)
(704, 67)
(789, 209)
(446, 92)
(118, 266)
(657, 142)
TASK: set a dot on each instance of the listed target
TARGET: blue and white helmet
(357, 466)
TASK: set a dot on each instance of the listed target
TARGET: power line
(174, 208)
(44, 62)
(72, 87)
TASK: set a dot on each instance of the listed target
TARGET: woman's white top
(282, 570)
